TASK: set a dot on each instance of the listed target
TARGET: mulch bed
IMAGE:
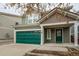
(70, 52)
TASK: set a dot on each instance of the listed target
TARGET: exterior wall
(45, 36)
(53, 36)
(66, 35)
(6, 23)
(56, 18)
(3, 33)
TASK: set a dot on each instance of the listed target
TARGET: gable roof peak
(61, 11)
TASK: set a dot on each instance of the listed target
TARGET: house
(7, 22)
(58, 26)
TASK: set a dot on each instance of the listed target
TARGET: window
(25, 20)
(48, 34)
(35, 18)
(30, 19)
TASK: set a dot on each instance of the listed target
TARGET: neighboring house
(58, 26)
(7, 22)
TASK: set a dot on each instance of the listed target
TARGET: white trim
(76, 34)
(28, 30)
(59, 23)
(42, 35)
(14, 37)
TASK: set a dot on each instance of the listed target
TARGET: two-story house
(58, 26)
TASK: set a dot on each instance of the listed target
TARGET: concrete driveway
(16, 49)
(21, 49)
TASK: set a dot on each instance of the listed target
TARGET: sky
(12, 11)
(9, 10)
(76, 6)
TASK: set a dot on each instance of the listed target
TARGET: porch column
(76, 34)
(14, 37)
(42, 35)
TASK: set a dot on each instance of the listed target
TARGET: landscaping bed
(70, 52)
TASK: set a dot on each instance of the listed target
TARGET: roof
(73, 15)
(28, 25)
(3, 13)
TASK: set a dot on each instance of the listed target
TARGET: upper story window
(31, 19)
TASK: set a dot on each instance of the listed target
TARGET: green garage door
(28, 37)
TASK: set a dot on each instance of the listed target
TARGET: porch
(59, 45)
(61, 34)
(57, 34)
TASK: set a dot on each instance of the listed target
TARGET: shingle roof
(61, 11)
(8, 14)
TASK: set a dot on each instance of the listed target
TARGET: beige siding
(53, 36)
(56, 18)
(3, 33)
(6, 23)
(9, 20)
(66, 35)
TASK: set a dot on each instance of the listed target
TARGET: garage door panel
(31, 37)
(29, 42)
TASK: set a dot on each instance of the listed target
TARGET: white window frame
(48, 31)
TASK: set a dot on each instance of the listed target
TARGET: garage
(28, 37)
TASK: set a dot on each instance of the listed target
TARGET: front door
(58, 35)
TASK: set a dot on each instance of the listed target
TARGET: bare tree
(28, 8)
